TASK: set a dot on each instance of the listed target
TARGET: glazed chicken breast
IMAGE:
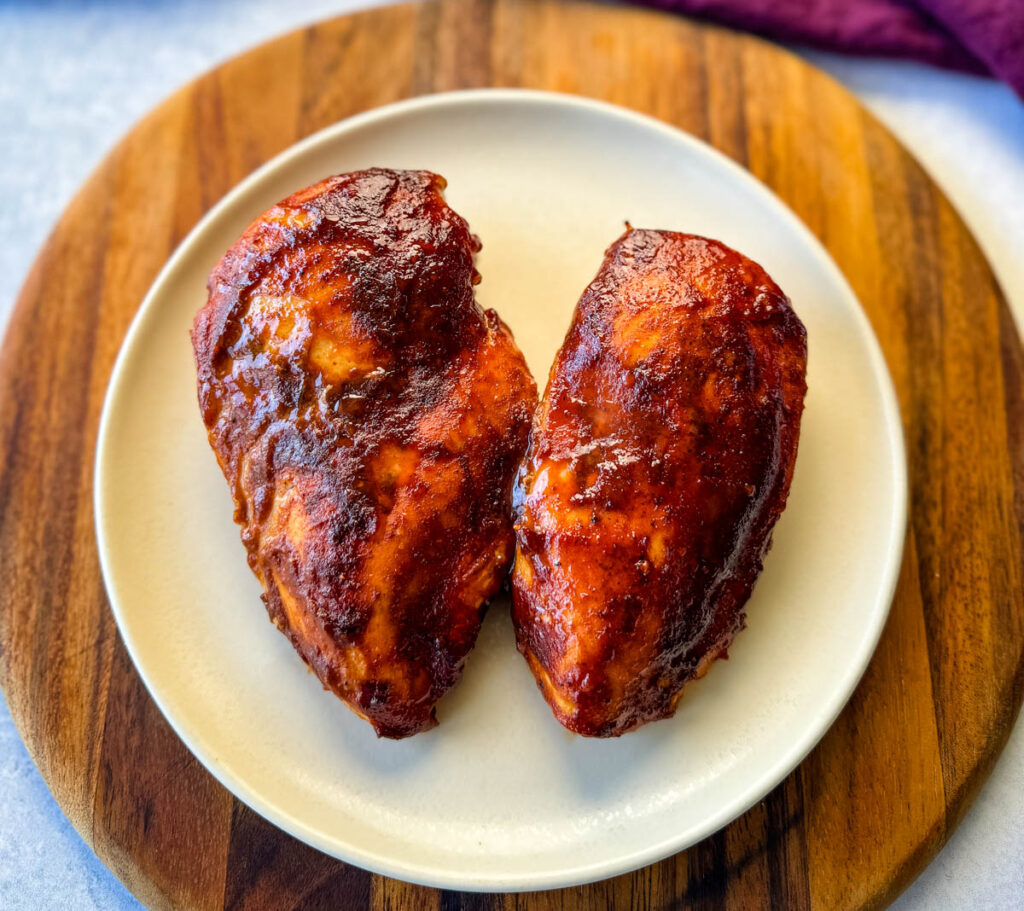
(369, 418)
(659, 460)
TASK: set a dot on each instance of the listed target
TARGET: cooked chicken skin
(369, 418)
(659, 461)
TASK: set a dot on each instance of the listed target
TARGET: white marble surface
(75, 76)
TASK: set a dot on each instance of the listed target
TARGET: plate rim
(583, 873)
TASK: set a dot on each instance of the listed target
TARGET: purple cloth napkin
(978, 36)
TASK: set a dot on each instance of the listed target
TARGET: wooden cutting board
(872, 804)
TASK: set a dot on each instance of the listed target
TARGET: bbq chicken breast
(369, 418)
(659, 460)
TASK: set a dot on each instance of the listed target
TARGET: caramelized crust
(659, 461)
(369, 418)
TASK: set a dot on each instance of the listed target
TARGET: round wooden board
(873, 803)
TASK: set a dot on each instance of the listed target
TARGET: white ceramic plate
(499, 796)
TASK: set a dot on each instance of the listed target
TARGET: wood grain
(884, 789)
